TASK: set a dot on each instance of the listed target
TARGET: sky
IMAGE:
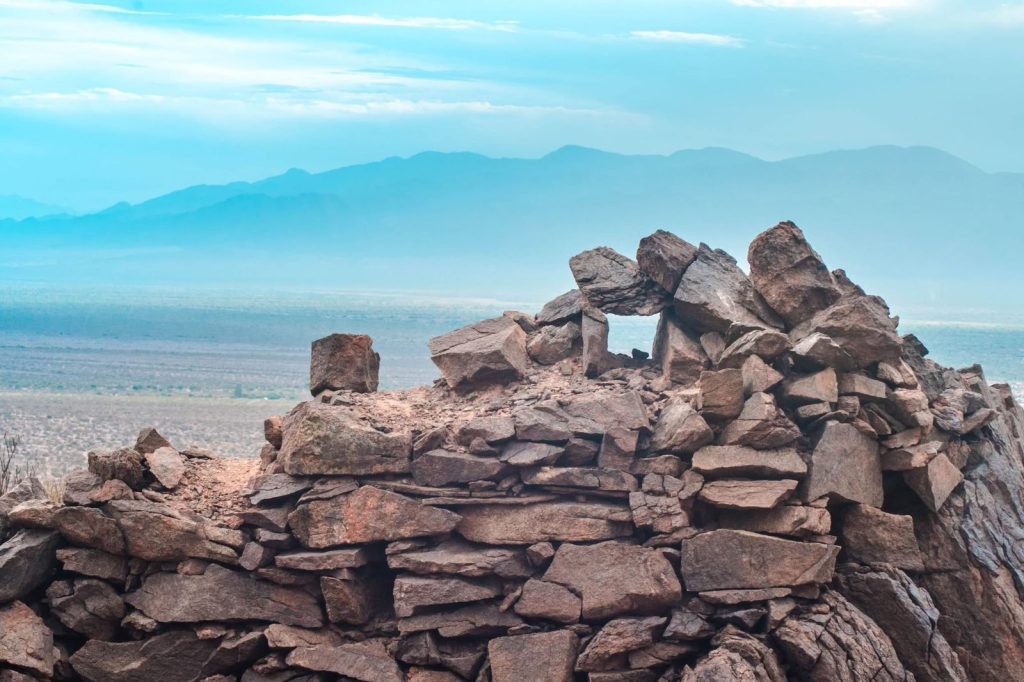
(108, 101)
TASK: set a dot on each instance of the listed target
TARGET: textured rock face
(602, 518)
(321, 439)
(492, 351)
(344, 362)
(614, 284)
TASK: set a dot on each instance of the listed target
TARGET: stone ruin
(786, 490)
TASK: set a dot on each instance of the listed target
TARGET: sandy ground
(57, 430)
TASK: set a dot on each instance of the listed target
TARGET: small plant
(9, 473)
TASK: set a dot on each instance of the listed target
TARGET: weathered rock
(329, 560)
(863, 387)
(715, 295)
(664, 257)
(38, 514)
(25, 641)
(356, 599)
(343, 362)
(424, 648)
(167, 466)
(222, 594)
(89, 607)
(789, 274)
(89, 527)
(27, 560)
(680, 429)
(860, 325)
(367, 661)
(732, 559)
(767, 344)
(614, 283)
(736, 656)
(935, 481)
(613, 578)
(617, 637)
(549, 601)
(459, 558)
(660, 513)
(561, 309)
(175, 656)
(680, 356)
(273, 431)
(476, 620)
(124, 465)
(527, 454)
(554, 343)
(758, 377)
(618, 449)
(720, 394)
(490, 351)
(796, 521)
(323, 439)
(821, 387)
(907, 614)
(415, 593)
(872, 536)
(840, 644)
(94, 563)
(541, 657)
(546, 521)
(273, 487)
(743, 494)
(687, 625)
(717, 461)
(594, 329)
(79, 485)
(155, 532)
(150, 440)
(761, 425)
(367, 515)
(441, 467)
(845, 465)
(495, 429)
(580, 477)
(818, 351)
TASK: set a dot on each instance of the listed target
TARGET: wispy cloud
(711, 39)
(866, 10)
(377, 21)
(55, 6)
(1001, 15)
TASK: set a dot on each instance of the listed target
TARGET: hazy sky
(125, 100)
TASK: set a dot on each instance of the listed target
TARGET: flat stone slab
(722, 461)
(544, 522)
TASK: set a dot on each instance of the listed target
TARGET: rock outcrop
(788, 490)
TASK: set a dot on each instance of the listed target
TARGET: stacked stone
(777, 494)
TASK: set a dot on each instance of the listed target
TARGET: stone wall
(786, 490)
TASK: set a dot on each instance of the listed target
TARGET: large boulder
(859, 325)
(156, 532)
(540, 657)
(789, 274)
(487, 352)
(220, 594)
(614, 284)
(27, 560)
(678, 353)
(664, 257)
(845, 465)
(343, 362)
(594, 330)
(715, 295)
(734, 559)
(496, 524)
(324, 439)
(25, 641)
(615, 578)
(561, 309)
(367, 515)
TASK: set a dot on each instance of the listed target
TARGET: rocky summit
(786, 490)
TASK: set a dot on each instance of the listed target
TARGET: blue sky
(126, 100)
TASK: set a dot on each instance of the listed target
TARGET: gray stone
(25, 641)
(366, 661)
(860, 325)
(792, 520)
(594, 329)
(761, 425)
(548, 601)
(614, 283)
(716, 461)
(488, 352)
(554, 343)
(845, 465)
(680, 429)
(678, 353)
(150, 440)
(27, 560)
(743, 494)
(872, 536)
(720, 394)
(664, 257)
(441, 467)
(820, 387)
(561, 309)
(540, 657)
(544, 522)
(415, 593)
(766, 344)
(455, 557)
(935, 482)
(167, 466)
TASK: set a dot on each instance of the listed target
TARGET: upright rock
(491, 351)
(344, 362)
(664, 257)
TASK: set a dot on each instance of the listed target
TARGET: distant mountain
(925, 228)
(15, 207)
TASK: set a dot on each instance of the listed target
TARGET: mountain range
(940, 232)
(15, 207)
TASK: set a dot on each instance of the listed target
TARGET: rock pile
(787, 490)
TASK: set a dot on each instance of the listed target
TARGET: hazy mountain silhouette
(936, 229)
(16, 207)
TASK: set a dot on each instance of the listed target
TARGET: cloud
(710, 39)
(64, 6)
(855, 5)
(1002, 15)
(376, 21)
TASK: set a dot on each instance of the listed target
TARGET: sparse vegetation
(10, 473)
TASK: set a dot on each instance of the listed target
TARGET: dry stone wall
(786, 490)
